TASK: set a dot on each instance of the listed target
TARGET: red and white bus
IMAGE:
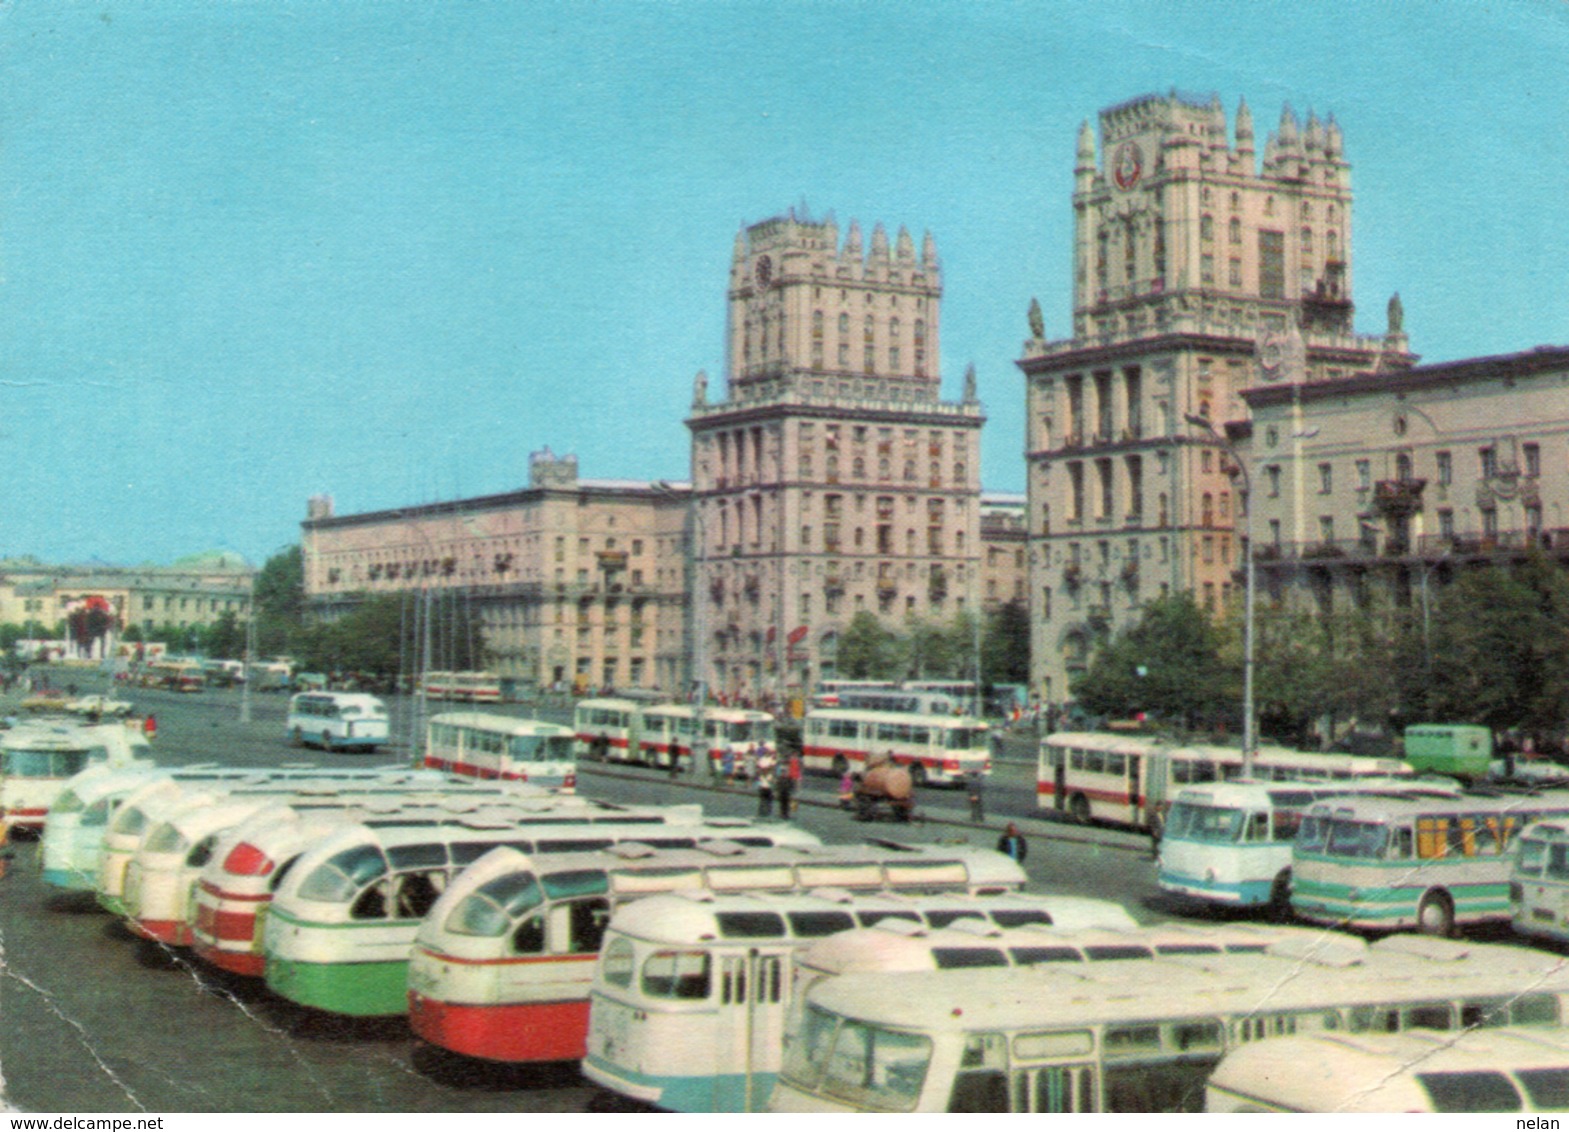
(464, 687)
(935, 748)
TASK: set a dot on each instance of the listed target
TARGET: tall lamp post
(697, 676)
(1249, 728)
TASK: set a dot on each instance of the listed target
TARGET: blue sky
(255, 251)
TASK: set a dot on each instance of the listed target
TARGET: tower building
(832, 478)
(1201, 267)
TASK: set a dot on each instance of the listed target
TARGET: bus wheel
(1079, 809)
(841, 764)
(917, 774)
(1436, 915)
(1280, 896)
(297, 739)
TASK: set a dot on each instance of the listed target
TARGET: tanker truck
(884, 790)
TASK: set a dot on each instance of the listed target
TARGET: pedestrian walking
(767, 765)
(847, 789)
(789, 781)
(1012, 844)
(727, 764)
(977, 784)
(150, 726)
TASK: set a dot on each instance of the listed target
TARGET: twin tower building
(830, 477)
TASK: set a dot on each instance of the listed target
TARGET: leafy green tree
(226, 636)
(868, 651)
(279, 599)
(1500, 649)
(1168, 665)
(1005, 645)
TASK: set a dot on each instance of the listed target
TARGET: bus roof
(1384, 807)
(891, 716)
(1176, 988)
(1340, 1072)
(507, 724)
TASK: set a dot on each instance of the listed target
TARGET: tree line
(1490, 647)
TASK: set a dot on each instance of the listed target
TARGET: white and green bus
(1428, 863)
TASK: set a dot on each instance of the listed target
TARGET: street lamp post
(1249, 727)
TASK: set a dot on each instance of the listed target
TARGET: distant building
(832, 479)
(572, 581)
(193, 593)
(1198, 273)
(1005, 576)
(1371, 490)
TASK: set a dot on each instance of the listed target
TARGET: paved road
(94, 1020)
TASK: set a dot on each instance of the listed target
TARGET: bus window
(1431, 837)
(882, 1070)
(1558, 861)
(1462, 843)
(1313, 834)
(1470, 1091)
(951, 958)
(1534, 1010)
(1258, 827)
(981, 1085)
(1547, 1088)
(417, 892)
(1399, 844)
(1116, 764)
(1285, 824)
(676, 974)
(1359, 839)
(529, 938)
(616, 965)
(586, 923)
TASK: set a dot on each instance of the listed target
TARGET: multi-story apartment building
(832, 479)
(194, 592)
(579, 582)
(1004, 576)
(1198, 272)
(1372, 489)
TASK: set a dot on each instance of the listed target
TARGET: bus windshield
(1214, 825)
(1361, 839)
(875, 1069)
(490, 909)
(966, 739)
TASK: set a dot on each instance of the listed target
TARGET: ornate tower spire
(1244, 128)
(852, 241)
(929, 252)
(904, 248)
(879, 243)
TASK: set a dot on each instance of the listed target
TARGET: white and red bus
(465, 687)
(1134, 779)
(935, 748)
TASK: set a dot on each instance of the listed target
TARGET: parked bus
(937, 749)
(352, 721)
(338, 934)
(464, 687)
(1230, 842)
(1539, 881)
(501, 746)
(73, 833)
(1141, 1035)
(154, 800)
(1460, 750)
(503, 964)
(1510, 1069)
(1428, 863)
(1133, 780)
(37, 759)
(667, 733)
(689, 1009)
(175, 675)
(250, 861)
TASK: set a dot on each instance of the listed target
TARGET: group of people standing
(775, 778)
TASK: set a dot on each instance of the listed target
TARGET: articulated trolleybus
(500, 746)
(1132, 779)
(1230, 842)
(1429, 863)
(1142, 1035)
(614, 730)
(937, 749)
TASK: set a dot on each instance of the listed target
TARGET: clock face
(764, 270)
(1128, 167)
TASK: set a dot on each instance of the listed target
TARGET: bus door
(1138, 803)
(1059, 764)
(749, 1026)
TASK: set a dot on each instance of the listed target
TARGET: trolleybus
(1126, 778)
(936, 748)
(1539, 881)
(464, 687)
(503, 964)
(502, 746)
